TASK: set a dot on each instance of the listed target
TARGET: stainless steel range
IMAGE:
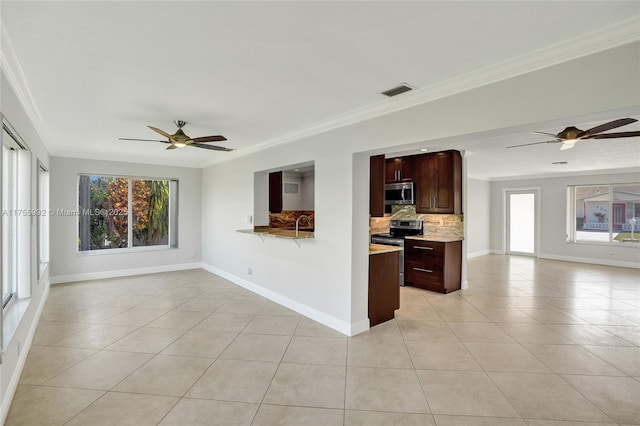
(398, 229)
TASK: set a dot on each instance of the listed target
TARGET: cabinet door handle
(423, 248)
(422, 270)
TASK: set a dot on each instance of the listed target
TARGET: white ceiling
(259, 72)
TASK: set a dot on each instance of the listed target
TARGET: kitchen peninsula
(384, 291)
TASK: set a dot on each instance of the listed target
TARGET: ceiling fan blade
(172, 146)
(610, 125)
(146, 140)
(545, 134)
(212, 147)
(217, 138)
(614, 135)
(162, 132)
(567, 145)
(533, 143)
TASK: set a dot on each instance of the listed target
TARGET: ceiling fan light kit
(180, 139)
(571, 135)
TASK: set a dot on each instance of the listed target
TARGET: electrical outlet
(441, 222)
(249, 271)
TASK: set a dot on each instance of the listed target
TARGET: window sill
(606, 244)
(124, 250)
(11, 318)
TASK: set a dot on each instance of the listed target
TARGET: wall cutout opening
(283, 195)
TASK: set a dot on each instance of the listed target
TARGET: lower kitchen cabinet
(433, 265)
(384, 291)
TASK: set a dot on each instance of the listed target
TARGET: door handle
(422, 270)
(423, 248)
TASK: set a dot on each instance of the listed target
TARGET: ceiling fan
(180, 139)
(569, 136)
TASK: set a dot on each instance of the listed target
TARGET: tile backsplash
(452, 224)
(287, 219)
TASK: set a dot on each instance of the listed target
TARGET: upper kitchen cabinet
(439, 182)
(376, 185)
(399, 169)
(275, 192)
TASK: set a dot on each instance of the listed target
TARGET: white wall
(478, 217)
(69, 265)
(17, 347)
(327, 276)
(292, 201)
(308, 192)
(553, 218)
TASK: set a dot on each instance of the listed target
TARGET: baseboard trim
(478, 253)
(7, 398)
(605, 262)
(58, 279)
(349, 329)
(494, 251)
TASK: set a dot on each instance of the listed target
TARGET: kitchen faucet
(298, 222)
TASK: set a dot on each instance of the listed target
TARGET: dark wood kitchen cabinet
(433, 265)
(376, 185)
(384, 291)
(275, 192)
(439, 183)
(399, 169)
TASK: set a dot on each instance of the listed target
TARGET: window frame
(20, 174)
(172, 235)
(43, 224)
(572, 231)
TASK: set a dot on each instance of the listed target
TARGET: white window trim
(571, 219)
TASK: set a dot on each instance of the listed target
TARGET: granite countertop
(278, 233)
(434, 238)
(382, 248)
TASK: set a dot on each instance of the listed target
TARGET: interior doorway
(521, 221)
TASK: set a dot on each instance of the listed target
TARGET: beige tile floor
(531, 342)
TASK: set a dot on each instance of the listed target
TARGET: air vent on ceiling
(403, 87)
(559, 162)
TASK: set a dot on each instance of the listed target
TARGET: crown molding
(609, 37)
(12, 69)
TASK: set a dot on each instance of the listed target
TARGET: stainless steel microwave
(399, 193)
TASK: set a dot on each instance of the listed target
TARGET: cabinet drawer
(416, 249)
(419, 273)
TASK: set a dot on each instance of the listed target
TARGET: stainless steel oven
(398, 229)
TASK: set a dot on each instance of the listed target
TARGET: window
(122, 212)
(15, 214)
(43, 219)
(603, 213)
